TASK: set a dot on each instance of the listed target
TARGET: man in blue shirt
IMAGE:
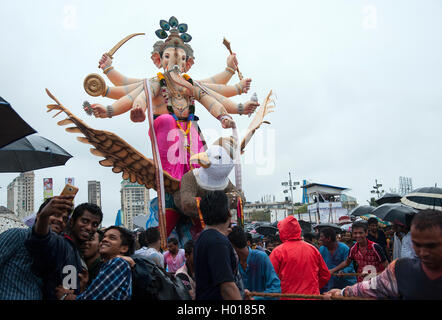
(57, 258)
(258, 274)
(334, 252)
(18, 281)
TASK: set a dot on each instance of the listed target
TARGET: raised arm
(229, 91)
(214, 107)
(224, 76)
(230, 106)
(56, 206)
(134, 101)
(113, 75)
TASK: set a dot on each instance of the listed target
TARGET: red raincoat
(299, 265)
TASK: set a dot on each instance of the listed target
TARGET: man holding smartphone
(57, 258)
(18, 281)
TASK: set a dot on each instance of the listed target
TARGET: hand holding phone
(69, 190)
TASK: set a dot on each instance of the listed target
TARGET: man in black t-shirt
(214, 258)
(377, 235)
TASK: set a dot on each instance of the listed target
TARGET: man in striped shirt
(409, 278)
(18, 281)
(114, 281)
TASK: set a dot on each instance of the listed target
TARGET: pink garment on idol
(173, 264)
(171, 145)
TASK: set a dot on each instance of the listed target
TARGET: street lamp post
(376, 188)
(291, 186)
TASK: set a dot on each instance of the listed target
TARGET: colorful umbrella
(381, 222)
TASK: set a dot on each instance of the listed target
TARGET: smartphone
(69, 190)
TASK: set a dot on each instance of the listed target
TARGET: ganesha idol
(172, 94)
(183, 168)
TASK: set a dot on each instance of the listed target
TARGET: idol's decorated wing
(266, 107)
(116, 152)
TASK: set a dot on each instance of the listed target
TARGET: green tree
(260, 215)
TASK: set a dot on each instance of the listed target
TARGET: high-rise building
(21, 194)
(405, 185)
(94, 192)
(135, 201)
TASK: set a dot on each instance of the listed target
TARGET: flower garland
(168, 101)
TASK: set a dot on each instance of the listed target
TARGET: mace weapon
(227, 44)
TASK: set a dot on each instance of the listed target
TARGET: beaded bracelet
(109, 111)
(231, 70)
(240, 108)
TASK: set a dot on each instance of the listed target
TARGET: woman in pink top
(174, 258)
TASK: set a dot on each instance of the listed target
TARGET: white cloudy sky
(358, 84)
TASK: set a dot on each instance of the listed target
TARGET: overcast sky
(358, 85)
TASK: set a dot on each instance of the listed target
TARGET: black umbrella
(320, 226)
(31, 153)
(424, 198)
(389, 198)
(395, 212)
(361, 210)
(266, 230)
(12, 126)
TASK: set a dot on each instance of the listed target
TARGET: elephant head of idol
(174, 55)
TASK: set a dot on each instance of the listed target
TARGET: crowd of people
(67, 256)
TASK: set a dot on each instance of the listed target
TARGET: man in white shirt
(151, 246)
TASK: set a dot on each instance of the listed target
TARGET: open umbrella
(32, 153)
(381, 222)
(424, 198)
(12, 126)
(361, 210)
(389, 198)
(394, 212)
(320, 226)
(266, 230)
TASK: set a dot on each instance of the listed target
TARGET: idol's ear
(156, 58)
(189, 64)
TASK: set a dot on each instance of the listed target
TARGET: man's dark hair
(81, 208)
(142, 239)
(188, 247)
(309, 236)
(127, 239)
(151, 235)
(427, 219)
(249, 237)
(215, 208)
(329, 233)
(238, 237)
(100, 235)
(372, 220)
(359, 224)
(172, 240)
